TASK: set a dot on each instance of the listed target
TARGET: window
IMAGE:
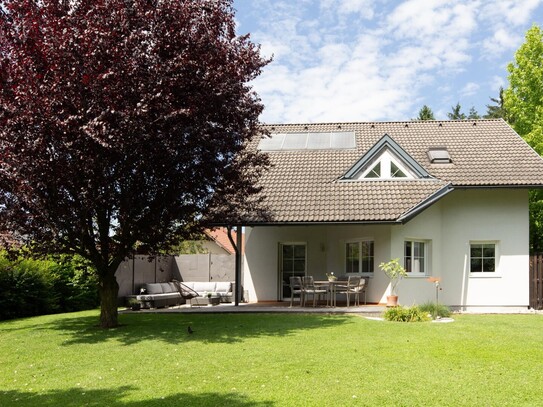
(415, 255)
(359, 256)
(482, 257)
(387, 166)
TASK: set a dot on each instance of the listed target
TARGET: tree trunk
(109, 290)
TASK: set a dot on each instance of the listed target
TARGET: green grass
(271, 360)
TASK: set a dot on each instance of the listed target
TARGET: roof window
(439, 155)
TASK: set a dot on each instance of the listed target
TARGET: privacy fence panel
(536, 281)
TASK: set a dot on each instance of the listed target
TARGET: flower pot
(392, 300)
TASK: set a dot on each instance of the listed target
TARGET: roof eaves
(423, 205)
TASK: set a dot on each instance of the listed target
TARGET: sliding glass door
(293, 263)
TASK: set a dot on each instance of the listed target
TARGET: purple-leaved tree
(123, 121)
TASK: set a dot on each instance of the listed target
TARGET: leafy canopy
(523, 103)
(523, 98)
(123, 121)
(425, 113)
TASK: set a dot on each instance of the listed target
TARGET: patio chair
(186, 292)
(309, 288)
(296, 288)
(364, 287)
(353, 287)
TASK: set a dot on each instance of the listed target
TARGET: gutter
(410, 214)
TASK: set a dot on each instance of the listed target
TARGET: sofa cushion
(201, 287)
(223, 287)
(174, 287)
(166, 288)
(153, 288)
(154, 297)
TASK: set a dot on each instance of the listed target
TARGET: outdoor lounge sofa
(157, 295)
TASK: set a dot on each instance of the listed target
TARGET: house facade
(449, 199)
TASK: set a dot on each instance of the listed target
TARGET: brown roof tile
(304, 186)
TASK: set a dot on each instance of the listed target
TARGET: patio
(267, 307)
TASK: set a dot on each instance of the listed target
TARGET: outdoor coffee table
(201, 301)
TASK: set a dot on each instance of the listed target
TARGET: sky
(382, 60)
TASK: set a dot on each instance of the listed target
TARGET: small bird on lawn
(189, 330)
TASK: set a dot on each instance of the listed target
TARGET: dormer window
(386, 160)
(386, 166)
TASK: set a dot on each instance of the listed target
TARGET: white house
(448, 198)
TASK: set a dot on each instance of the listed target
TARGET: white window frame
(425, 258)
(485, 274)
(386, 159)
(359, 241)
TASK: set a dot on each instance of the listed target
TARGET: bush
(406, 314)
(441, 310)
(37, 287)
(24, 290)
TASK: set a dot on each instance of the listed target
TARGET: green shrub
(406, 314)
(25, 289)
(37, 287)
(440, 310)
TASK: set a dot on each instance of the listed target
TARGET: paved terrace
(268, 307)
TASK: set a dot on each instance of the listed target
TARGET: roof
(220, 236)
(310, 186)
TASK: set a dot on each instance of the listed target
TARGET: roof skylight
(439, 155)
(337, 140)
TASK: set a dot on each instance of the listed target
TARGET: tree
(523, 102)
(123, 121)
(496, 111)
(523, 99)
(425, 113)
(456, 113)
(473, 114)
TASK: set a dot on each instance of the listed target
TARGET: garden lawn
(271, 360)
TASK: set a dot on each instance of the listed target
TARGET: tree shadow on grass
(208, 328)
(114, 397)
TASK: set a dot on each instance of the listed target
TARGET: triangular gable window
(374, 172)
(386, 160)
(385, 166)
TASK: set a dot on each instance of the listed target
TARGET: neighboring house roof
(220, 237)
(318, 185)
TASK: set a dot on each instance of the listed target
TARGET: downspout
(237, 249)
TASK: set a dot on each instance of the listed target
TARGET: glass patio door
(293, 263)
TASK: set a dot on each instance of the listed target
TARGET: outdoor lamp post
(436, 281)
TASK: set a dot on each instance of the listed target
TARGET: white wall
(448, 226)
(495, 215)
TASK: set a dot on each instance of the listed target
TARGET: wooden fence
(536, 281)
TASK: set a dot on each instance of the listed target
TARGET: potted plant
(331, 276)
(134, 304)
(395, 272)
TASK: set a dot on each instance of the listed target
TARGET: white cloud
(501, 41)
(505, 21)
(469, 89)
(510, 12)
(363, 8)
(496, 83)
(357, 60)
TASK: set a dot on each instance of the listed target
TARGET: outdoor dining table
(331, 284)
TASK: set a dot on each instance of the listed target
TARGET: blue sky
(365, 60)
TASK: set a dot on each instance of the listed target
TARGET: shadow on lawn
(208, 328)
(113, 397)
